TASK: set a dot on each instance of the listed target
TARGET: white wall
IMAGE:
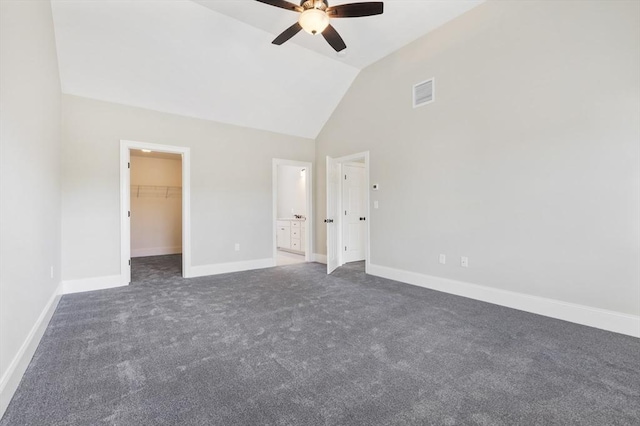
(527, 162)
(292, 197)
(29, 182)
(231, 190)
(156, 214)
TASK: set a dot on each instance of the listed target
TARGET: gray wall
(29, 173)
(231, 192)
(528, 161)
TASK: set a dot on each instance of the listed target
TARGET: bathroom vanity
(291, 235)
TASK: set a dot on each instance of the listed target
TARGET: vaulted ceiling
(213, 59)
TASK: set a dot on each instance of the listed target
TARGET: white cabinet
(283, 234)
(290, 235)
(295, 235)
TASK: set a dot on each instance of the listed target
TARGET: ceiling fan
(316, 14)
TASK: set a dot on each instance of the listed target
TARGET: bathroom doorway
(292, 201)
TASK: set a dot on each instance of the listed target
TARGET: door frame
(339, 219)
(125, 203)
(308, 255)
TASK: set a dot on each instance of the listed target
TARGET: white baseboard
(155, 251)
(11, 378)
(92, 284)
(320, 258)
(580, 314)
(224, 268)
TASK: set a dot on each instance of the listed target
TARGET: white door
(333, 192)
(353, 224)
(126, 268)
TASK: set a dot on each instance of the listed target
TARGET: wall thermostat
(375, 186)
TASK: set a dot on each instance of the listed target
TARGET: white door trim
(348, 159)
(309, 194)
(125, 200)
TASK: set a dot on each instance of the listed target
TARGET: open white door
(333, 192)
(125, 179)
(353, 204)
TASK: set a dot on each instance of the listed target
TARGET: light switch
(375, 205)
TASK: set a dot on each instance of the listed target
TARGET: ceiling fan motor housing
(314, 4)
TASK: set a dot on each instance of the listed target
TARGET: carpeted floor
(293, 346)
(156, 269)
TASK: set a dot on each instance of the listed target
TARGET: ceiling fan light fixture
(314, 21)
(316, 14)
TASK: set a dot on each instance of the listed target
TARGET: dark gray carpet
(157, 269)
(293, 346)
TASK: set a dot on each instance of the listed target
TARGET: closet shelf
(151, 191)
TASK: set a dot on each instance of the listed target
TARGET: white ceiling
(213, 59)
(368, 39)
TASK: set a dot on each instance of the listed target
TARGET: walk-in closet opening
(156, 215)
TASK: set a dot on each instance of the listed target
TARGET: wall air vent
(424, 93)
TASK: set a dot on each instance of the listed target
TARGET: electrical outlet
(443, 259)
(375, 205)
(52, 272)
(464, 262)
(237, 247)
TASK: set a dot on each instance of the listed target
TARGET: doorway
(292, 207)
(347, 210)
(155, 219)
(156, 215)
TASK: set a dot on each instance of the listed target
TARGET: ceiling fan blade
(333, 38)
(282, 4)
(356, 10)
(287, 34)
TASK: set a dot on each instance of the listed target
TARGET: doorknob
(328, 221)
(363, 218)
